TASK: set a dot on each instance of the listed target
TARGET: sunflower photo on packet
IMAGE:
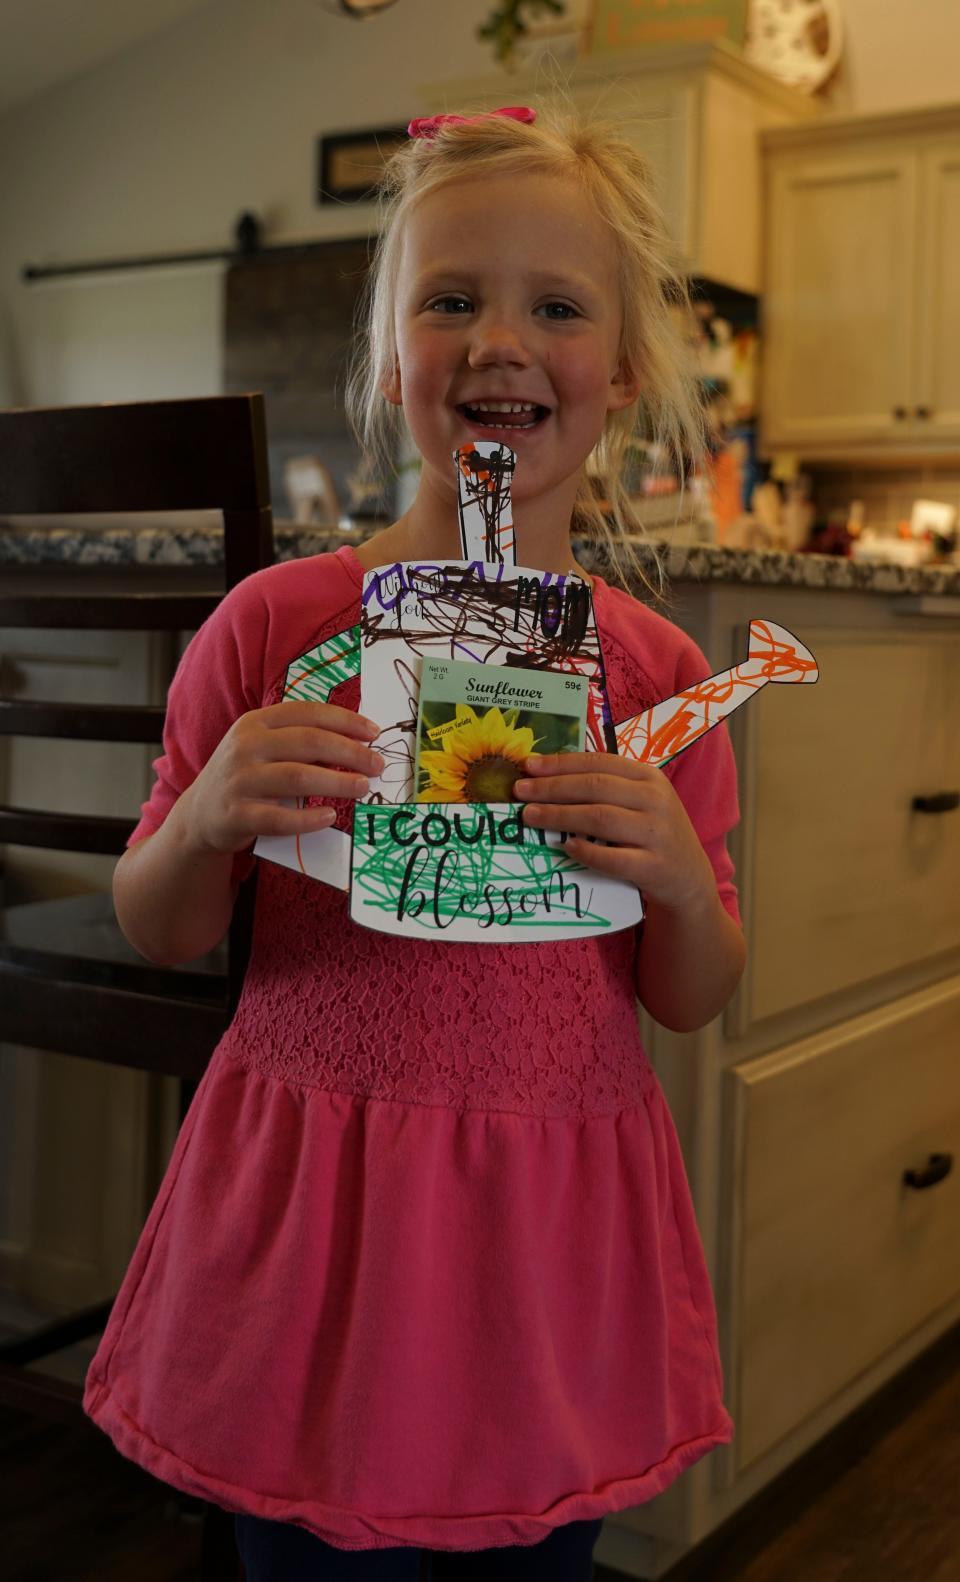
(477, 724)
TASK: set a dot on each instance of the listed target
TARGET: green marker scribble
(530, 872)
(313, 676)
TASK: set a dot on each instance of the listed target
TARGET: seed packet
(476, 725)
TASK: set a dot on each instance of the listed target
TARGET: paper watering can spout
(783, 656)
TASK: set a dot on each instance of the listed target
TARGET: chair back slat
(182, 1033)
(42, 1395)
(205, 453)
(248, 543)
(108, 612)
(55, 1334)
(96, 722)
(170, 983)
(89, 832)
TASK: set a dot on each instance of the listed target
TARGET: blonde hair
(652, 346)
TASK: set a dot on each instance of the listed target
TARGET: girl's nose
(497, 340)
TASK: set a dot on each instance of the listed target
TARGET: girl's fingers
(268, 819)
(301, 780)
(321, 716)
(595, 786)
(618, 825)
(541, 764)
(619, 861)
(297, 744)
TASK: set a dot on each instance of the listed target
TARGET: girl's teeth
(487, 411)
(505, 406)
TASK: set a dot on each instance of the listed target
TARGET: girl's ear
(625, 386)
(390, 387)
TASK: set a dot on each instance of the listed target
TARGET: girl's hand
(273, 753)
(651, 841)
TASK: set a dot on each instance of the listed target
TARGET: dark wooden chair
(56, 995)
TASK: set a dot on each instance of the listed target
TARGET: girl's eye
(566, 311)
(450, 304)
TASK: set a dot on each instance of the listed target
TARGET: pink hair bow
(429, 125)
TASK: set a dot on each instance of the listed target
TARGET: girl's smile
(508, 421)
(504, 417)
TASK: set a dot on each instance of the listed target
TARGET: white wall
(163, 147)
(121, 337)
(897, 54)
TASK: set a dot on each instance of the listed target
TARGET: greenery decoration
(506, 24)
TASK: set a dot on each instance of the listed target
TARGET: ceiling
(46, 42)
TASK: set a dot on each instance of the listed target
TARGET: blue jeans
(282, 1552)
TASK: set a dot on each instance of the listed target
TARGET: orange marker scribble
(662, 732)
(488, 482)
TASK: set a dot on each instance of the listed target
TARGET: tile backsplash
(887, 495)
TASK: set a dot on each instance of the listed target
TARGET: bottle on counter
(856, 518)
(701, 496)
(767, 531)
(798, 513)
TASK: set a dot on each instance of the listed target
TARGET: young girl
(423, 1273)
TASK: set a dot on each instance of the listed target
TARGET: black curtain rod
(729, 297)
(236, 255)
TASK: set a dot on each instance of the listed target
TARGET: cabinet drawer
(849, 882)
(836, 1259)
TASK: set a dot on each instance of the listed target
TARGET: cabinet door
(839, 308)
(850, 881)
(938, 373)
(835, 1257)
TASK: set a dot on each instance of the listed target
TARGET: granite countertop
(93, 543)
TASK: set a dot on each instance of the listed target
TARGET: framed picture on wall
(648, 24)
(349, 163)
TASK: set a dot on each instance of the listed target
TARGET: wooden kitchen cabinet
(837, 1257)
(861, 316)
(833, 1071)
(864, 882)
(939, 318)
(696, 112)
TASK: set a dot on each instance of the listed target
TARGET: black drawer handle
(936, 1167)
(943, 802)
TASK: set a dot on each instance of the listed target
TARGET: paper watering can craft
(523, 644)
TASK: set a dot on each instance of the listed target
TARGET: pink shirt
(424, 1268)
